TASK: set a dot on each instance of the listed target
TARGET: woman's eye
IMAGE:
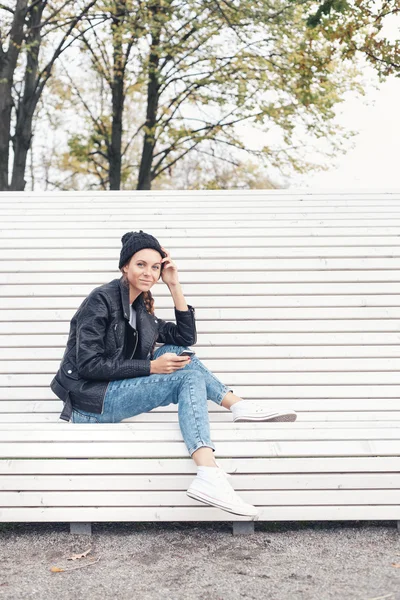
(141, 265)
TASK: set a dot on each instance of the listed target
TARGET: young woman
(111, 371)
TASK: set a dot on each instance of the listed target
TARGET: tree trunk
(118, 99)
(114, 153)
(8, 63)
(153, 88)
(23, 130)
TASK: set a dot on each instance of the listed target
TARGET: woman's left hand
(169, 273)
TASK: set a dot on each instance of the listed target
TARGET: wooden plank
(180, 466)
(179, 498)
(318, 404)
(93, 449)
(244, 367)
(113, 227)
(334, 417)
(193, 513)
(192, 199)
(91, 280)
(333, 258)
(267, 432)
(305, 243)
(233, 339)
(262, 377)
(260, 326)
(174, 426)
(311, 356)
(155, 483)
(178, 198)
(298, 192)
(195, 200)
(273, 268)
(206, 316)
(203, 303)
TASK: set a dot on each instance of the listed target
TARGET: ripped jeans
(189, 387)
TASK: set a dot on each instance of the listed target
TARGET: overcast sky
(373, 156)
(375, 160)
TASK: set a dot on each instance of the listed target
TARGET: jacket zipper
(136, 342)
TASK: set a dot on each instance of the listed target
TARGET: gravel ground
(202, 561)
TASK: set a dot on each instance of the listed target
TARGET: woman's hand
(169, 273)
(168, 363)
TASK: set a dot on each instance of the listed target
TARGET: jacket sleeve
(91, 362)
(181, 333)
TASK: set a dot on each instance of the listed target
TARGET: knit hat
(133, 241)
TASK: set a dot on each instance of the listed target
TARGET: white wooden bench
(297, 299)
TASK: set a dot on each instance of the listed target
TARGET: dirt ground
(202, 561)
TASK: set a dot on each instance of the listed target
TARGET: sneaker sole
(210, 501)
(243, 419)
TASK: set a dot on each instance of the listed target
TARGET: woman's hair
(147, 296)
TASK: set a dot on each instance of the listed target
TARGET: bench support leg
(242, 527)
(81, 528)
(398, 526)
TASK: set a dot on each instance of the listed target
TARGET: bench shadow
(126, 528)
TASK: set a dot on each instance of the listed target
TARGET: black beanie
(133, 241)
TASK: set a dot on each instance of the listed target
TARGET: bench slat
(87, 514)
(135, 499)
(203, 303)
(51, 418)
(268, 432)
(178, 466)
(318, 404)
(337, 242)
(324, 481)
(177, 449)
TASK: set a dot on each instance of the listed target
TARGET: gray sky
(373, 157)
(374, 162)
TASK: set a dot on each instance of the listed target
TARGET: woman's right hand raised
(168, 363)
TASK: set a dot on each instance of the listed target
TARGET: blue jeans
(189, 387)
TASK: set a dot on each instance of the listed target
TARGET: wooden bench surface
(297, 299)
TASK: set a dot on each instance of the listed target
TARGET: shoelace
(256, 408)
(229, 492)
(221, 470)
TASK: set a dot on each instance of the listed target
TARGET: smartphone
(187, 353)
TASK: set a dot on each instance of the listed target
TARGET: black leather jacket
(97, 347)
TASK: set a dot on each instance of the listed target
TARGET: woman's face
(143, 270)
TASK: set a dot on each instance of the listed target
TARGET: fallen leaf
(58, 570)
(76, 556)
(397, 565)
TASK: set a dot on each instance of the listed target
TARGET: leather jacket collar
(144, 320)
(124, 290)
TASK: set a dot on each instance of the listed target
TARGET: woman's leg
(130, 397)
(216, 390)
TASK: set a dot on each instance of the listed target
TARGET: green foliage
(325, 9)
(193, 72)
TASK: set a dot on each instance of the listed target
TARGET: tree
(27, 28)
(358, 26)
(206, 66)
(193, 172)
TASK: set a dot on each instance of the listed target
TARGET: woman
(110, 371)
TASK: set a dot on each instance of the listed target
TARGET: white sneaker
(211, 486)
(251, 410)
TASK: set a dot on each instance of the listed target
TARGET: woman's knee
(195, 379)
